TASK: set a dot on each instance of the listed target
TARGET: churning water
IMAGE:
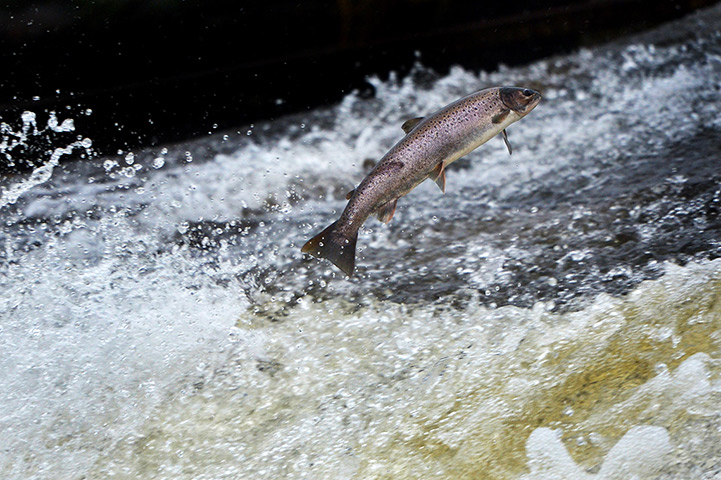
(555, 315)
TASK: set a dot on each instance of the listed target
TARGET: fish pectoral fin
(499, 117)
(409, 124)
(349, 194)
(386, 211)
(438, 175)
(505, 140)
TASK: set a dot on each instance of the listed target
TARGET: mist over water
(555, 314)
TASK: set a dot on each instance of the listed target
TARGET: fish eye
(527, 92)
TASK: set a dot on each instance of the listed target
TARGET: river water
(556, 314)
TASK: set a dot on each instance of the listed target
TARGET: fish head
(519, 100)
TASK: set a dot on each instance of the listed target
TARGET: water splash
(13, 140)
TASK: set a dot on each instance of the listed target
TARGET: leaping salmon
(430, 145)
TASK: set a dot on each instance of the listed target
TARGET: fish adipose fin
(333, 246)
(386, 211)
(438, 175)
(349, 194)
(409, 124)
(505, 140)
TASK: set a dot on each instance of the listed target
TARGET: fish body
(430, 145)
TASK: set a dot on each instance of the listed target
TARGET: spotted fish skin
(431, 144)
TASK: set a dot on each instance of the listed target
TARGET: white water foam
(429, 392)
(639, 454)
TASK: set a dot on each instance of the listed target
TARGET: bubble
(158, 162)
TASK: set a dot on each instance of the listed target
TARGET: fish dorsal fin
(409, 124)
(505, 140)
(499, 117)
(438, 175)
(349, 194)
(386, 211)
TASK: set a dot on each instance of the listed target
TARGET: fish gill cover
(158, 319)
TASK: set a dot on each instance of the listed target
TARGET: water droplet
(28, 119)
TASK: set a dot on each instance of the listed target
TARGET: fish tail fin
(334, 246)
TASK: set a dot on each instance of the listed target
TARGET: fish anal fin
(499, 117)
(505, 140)
(349, 194)
(409, 124)
(438, 175)
(386, 211)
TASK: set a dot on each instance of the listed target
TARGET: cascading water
(555, 314)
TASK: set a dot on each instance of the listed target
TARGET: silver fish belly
(430, 145)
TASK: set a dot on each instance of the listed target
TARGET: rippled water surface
(556, 314)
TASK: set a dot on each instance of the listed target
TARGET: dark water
(553, 315)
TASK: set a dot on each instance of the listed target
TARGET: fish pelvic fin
(334, 246)
(386, 211)
(499, 117)
(505, 140)
(438, 175)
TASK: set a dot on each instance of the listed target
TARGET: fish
(431, 144)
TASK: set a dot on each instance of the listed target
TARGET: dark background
(164, 70)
